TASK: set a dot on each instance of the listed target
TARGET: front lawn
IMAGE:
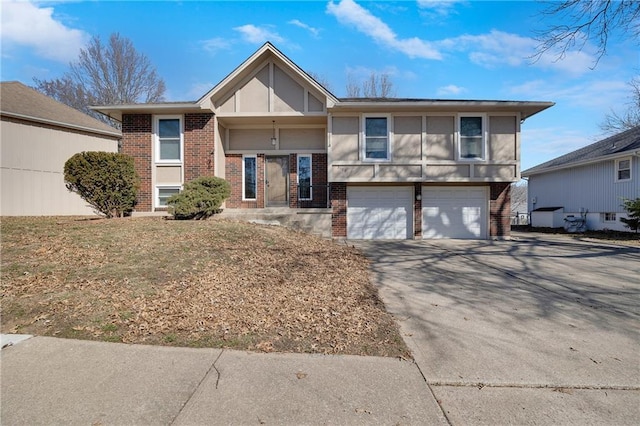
(211, 283)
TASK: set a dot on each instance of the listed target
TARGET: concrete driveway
(538, 330)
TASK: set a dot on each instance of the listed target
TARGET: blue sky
(431, 49)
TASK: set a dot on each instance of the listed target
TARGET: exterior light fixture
(273, 134)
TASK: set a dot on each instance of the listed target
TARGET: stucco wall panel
(289, 95)
(499, 172)
(254, 96)
(344, 139)
(302, 139)
(168, 174)
(358, 173)
(250, 139)
(407, 142)
(447, 171)
(440, 138)
(399, 172)
(502, 138)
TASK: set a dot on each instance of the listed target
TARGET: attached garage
(454, 212)
(380, 212)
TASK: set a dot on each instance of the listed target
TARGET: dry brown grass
(211, 283)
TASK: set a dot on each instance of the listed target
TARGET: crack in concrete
(481, 385)
(195, 390)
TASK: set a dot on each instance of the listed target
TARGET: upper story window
(623, 169)
(376, 137)
(168, 139)
(472, 130)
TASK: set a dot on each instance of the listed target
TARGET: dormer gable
(268, 83)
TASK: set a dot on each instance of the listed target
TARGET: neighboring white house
(594, 179)
(37, 136)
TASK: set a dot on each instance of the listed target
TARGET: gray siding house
(594, 179)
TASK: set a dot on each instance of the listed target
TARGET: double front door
(277, 181)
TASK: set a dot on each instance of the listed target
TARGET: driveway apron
(529, 331)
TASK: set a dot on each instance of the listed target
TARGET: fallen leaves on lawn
(209, 283)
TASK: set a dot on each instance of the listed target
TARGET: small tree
(200, 198)
(106, 180)
(633, 211)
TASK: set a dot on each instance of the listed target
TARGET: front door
(277, 181)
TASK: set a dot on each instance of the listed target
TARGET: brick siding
(417, 211)
(339, 206)
(198, 145)
(500, 209)
(136, 142)
(233, 165)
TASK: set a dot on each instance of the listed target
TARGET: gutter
(61, 124)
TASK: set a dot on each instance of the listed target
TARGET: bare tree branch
(587, 20)
(109, 74)
(375, 86)
(616, 123)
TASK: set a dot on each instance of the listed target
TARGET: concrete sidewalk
(58, 381)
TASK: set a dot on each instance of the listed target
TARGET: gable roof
(257, 56)
(615, 146)
(20, 101)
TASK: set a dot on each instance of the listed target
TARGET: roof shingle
(18, 100)
(620, 143)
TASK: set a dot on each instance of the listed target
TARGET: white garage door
(380, 213)
(454, 212)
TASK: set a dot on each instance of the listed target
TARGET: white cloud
(439, 7)
(595, 94)
(450, 90)
(498, 48)
(213, 45)
(26, 24)
(312, 30)
(259, 35)
(351, 14)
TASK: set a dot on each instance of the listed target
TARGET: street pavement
(537, 330)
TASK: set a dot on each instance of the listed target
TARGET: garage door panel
(379, 212)
(454, 212)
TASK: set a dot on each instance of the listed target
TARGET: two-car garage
(387, 212)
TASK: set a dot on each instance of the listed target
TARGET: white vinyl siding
(454, 212)
(592, 187)
(380, 213)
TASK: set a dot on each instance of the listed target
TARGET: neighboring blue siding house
(594, 179)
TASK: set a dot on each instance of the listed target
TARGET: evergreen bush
(200, 198)
(633, 212)
(106, 180)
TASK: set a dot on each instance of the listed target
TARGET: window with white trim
(376, 137)
(249, 177)
(608, 217)
(623, 169)
(304, 177)
(472, 136)
(163, 193)
(169, 136)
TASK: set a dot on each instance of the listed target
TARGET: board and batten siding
(592, 187)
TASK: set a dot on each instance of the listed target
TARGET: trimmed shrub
(106, 180)
(200, 198)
